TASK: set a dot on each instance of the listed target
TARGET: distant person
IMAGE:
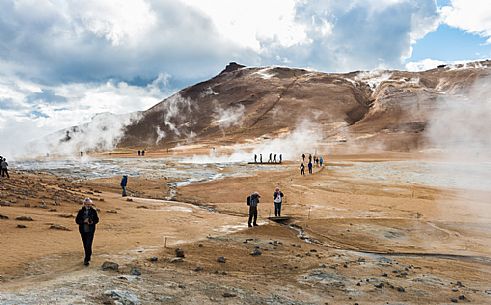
(124, 182)
(310, 158)
(253, 202)
(302, 169)
(321, 160)
(310, 167)
(277, 200)
(81, 154)
(274, 158)
(87, 219)
(303, 157)
(143, 152)
(280, 158)
(4, 168)
(270, 158)
(255, 158)
(138, 153)
(261, 158)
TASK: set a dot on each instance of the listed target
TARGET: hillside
(389, 110)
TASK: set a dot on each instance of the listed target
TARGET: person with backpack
(124, 182)
(277, 200)
(87, 219)
(252, 202)
(310, 167)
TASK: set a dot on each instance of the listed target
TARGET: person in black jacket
(87, 219)
(124, 182)
(254, 200)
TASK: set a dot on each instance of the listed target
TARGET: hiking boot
(86, 263)
(255, 224)
(249, 225)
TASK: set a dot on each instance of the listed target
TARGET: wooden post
(308, 217)
(165, 241)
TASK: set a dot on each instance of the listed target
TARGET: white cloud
(25, 115)
(469, 15)
(248, 23)
(423, 65)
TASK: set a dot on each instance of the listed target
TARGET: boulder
(110, 266)
(24, 218)
(59, 227)
(221, 259)
(180, 253)
(3, 217)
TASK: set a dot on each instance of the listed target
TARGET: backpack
(248, 200)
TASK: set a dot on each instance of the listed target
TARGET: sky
(64, 61)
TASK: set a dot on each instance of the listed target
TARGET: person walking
(303, 157)
(321, 160)
(270, 158)
(260, 158)
(277, 200)
(310, 167)
(280, 158)
(302, 169)
(4, 168)
(124, 182)
(255, 158)
(87, 219)
(274, 158)
(253, 202)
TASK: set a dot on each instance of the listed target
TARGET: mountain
(391, 110)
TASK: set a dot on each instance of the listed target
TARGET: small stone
(101, 199)
(59, 227)
(256, 252)
(135, 271)
(5, 203)
(180, 252)
(459, 283)
(401, 289)
(198, 269)
(221, 259)
(3, 217)
(129, 199)
(379, 285)
(153, 259)
(21, 226)
(112, 212)
(52, 210)
(23, 218)
(200, 245)
(454, 300)
(110, 266)
(358, 284)
(462, 297)
(176, 260)
(229, 295)
(384, 275)
(182, 286)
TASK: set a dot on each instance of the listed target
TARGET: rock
(198, 269)
(379, 285)
(129, 199)
(21, 226)
(176, 260)
(182, 286)
(110, 266)
(384, 275)
(66, 215)
(454, 300)
(180, 253)
(256, 252)
(135, 271)
(5, 203)
(52, 210)
(3, 217)
(112, 212)
(459, 284)
(23, 218)
(462, 297)
(153, 259)
(142, 207)
(229, 295)
(101, 199)
(401, 289)
(123, 297)
(59, 227)
(221, 259)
